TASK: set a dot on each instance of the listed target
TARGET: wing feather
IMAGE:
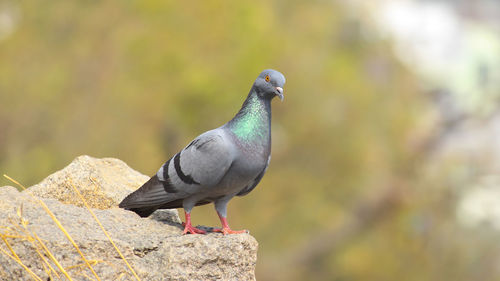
(203, 163)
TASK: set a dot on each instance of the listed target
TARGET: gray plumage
(219, 164)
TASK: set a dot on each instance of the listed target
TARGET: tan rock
(103, 182)
(153, 246)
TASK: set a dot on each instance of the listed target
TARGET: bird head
(270, 84)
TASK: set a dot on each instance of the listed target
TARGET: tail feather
(144, 212)
(149, 197)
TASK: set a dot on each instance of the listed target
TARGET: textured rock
(104, 182)
(153, 246)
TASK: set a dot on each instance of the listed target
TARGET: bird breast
(244, 169)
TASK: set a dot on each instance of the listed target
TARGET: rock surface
(153, 246)
(103, 182)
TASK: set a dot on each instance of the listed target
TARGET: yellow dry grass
(21, 231)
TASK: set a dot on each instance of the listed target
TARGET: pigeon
(217, 165)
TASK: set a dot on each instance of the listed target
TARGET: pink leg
(188, 228)
(225, 227)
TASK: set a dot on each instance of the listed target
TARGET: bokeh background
(385, 150)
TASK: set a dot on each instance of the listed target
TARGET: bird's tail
(148, 198)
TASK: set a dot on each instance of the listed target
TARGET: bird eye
(267, 78)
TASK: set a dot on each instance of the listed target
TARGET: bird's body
(217, 165)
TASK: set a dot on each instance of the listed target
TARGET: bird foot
(191, 229)
(227, 230)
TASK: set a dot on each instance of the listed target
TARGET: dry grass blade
(59, 225)
(17, 259)
(52, 258)
(93, 262)
(104, 230)
(46, 264)
(32, 238)
(10, 248)
(39, 248)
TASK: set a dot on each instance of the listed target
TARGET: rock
(154, 246)
(103, 182)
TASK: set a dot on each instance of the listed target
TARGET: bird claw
(227, 230)
(191, 229)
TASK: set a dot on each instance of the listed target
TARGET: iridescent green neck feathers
(253, 122)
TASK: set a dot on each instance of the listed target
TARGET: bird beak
(280, 93)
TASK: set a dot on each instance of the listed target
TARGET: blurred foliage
(137, 80)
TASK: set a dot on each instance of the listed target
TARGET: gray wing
(200, 165)
(256, 181)
(196, 168)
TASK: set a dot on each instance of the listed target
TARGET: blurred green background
(358, 187)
